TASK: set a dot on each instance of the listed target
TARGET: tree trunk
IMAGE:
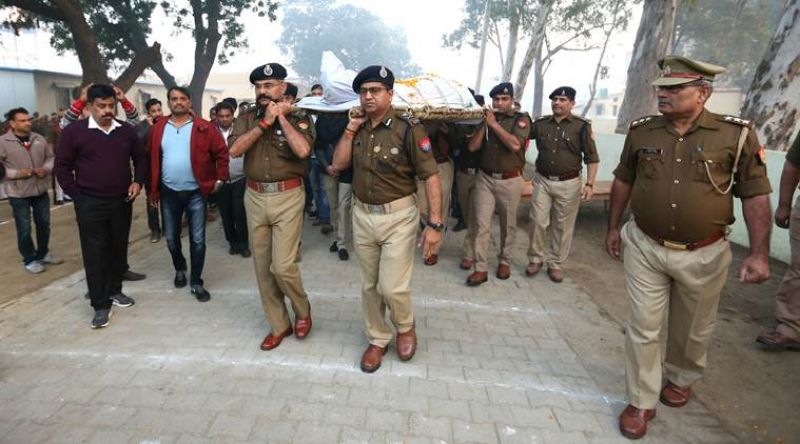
(94, 70)
(511, 52)
(534, 48)
(205, 50)
(538, 84)
(774, 96)
(652, 40)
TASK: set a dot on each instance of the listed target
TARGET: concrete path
(516, 361)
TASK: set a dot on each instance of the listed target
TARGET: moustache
(263, 96)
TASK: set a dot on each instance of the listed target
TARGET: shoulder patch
(424, 145)
(640, 122)
(737, 121)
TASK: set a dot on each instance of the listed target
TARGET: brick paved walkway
(517, 361)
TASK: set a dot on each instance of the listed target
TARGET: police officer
(387, 151)
(276, 144)
(786, 335)
(438, 133)
(498, 184)
(679, 171)
(467, 164)
(563, 139)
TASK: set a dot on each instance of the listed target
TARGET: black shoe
(343, 254)
(155, 236)
(101, 318)
(312, 213)
(120, 300)
(460, 226)
(245, 252)
(201, 293)
(180, 279)
(133, 276)
(233, 251)
(334, 247)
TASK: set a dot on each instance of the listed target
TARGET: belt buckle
(675, 245)
(376, 208)
(554, 178)
(271, 187)
(497, 175)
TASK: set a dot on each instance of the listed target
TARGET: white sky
(424, 22)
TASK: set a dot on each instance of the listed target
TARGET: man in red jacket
(188, 162)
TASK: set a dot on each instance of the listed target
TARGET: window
(599, 109)
(143, 98)
(64, 97)
(616, 109)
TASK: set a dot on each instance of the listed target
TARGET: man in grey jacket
(28, 161)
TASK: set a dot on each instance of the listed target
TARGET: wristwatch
(438, 227)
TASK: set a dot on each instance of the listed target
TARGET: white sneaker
(51, 259)
(35, 267)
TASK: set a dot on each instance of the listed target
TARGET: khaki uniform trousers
(787, 304)
(275, 222)
(385, 245)
(331, 186)
(466, 186)
(687, 284)
(554, 208)
(504, 194)
(446, 171)
(344, 220)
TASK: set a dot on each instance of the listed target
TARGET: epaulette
(408, 118)
(640, 122)
(737, 121)
(582, 119)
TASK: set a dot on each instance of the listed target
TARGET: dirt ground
(754, 392)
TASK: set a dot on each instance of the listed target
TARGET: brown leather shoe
(406, 344)
(777, 341)
(533, 268)
(371, 359)
(272, 341)
(633, 421)
(503, 271)
(477, 278)
(465, 264)
(675, 396)
(302, 326)
(555, 275)
(432, 259)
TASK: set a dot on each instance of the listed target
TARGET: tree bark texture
(652, 40)
(774, 96)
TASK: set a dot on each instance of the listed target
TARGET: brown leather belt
(469, 171)
(274, 187)
(675, 245)
(563, 177)
(503, 176)
(390, 207)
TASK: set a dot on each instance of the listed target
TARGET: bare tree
(652, 40)
(774, 96)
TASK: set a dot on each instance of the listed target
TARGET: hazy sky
(424, 22)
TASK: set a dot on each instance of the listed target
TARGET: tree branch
(141, 61)
(37, 7)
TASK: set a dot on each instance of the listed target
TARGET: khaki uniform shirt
(562, 144)
(495, 156)
(793, 155)
(672, 196)
(387, 158)
(271, 159)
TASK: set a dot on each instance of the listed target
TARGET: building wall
(17, 89)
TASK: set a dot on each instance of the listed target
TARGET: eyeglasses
(373, 91)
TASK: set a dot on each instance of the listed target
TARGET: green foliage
(730, 33)
(470, 29)
(356, 36)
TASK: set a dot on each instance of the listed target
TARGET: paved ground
(517, 361)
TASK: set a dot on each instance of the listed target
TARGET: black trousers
(104, 224)
(230, 200)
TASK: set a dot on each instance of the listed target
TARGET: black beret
(374, 73)
(566, 91)
(480, 99)
(268, 71)
(231, 101)
(291, 90)
(503, 88)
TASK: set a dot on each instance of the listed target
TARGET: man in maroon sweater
(93, 166)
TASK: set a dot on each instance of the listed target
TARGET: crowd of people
(381, 181)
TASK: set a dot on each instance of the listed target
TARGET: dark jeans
(230, 199)
(22, 206)
(173, 205)
(320, 198)
(153, 221)
(104, 224)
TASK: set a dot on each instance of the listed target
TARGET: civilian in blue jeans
(28, 162)
(188, 162)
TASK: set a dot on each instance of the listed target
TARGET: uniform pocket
(716, 166)
(650, 163)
